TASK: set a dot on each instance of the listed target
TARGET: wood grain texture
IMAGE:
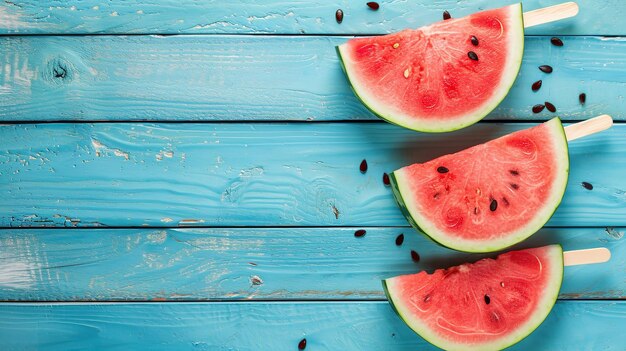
(254, 78)
(275, 174)
(275, 16)
(256, 263)
(274, 326)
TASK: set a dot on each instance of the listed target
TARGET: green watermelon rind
(422, 226)
(517, 42)
(551, 296)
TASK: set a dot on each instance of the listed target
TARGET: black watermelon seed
(493, 205)
(363, 166)
(359, 233)
(386, 179)
(399, 239)
(475, 210)
(536, 85)
(446, 15)
(442, 169)
(472, 55)
(538, 108)
(339, 16)
(587, 185)
(302, 344)
(514, 186)
(474, 40)
(545, 68)
(487, 299)
(373, 5)
(415, 256)
(556, 41)
(513, 172)
(582, 98)
(550, 107)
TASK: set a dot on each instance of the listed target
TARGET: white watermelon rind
(511, 69)
(546, 304)
(400, 185)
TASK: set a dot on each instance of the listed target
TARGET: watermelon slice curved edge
(551, 133)
(407, 298)
(476, 100)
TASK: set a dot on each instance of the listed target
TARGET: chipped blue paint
(274, 326)
(275, 16)
(255, 174)
(253, 78)
(255, 263)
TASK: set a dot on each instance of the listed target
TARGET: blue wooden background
(184, 174)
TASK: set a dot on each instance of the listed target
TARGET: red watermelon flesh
(487, 305)
(424, 79)
(490, 196)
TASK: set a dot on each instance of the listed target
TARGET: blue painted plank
(255, 263)
(274, 326)
(275, 174)
(274, 16)
(256, 78)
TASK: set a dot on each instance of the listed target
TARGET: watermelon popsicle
(494, 195)
(447, 75)
(487, 305)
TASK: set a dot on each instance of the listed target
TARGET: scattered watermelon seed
(396, 45)
(493, 205)
(587, 185)
(556, 41)
(487, 299)
(550, 107)
(339, 16)
(514, 172)
(363, 166)
(474, 40)
(545, 68)
(359, 233)
(538, 108)
(373, 5)
(442, 169)
(415, 256)
(475, 210)
(399, 239)
(436, 195)
(302, 344)
(536, 85)
(386, 179)
(514, 186)
(472, 55)
(446, 15)
(582, 98)
(502, 284)
(427, 298)
(406, 73)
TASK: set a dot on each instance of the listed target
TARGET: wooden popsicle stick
(588, 256)
(590, 126)
(550, 14)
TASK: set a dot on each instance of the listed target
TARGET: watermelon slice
(487, 305)
(424, 79)
(490, 196)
